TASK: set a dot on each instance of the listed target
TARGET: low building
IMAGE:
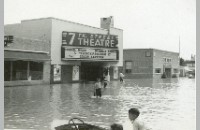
(26, 62)
(150, 63)
(77, 52)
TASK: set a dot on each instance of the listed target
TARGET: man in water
(133, 123)
(97, 88)
(121, 76)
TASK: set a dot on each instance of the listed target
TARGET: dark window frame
(128, 70)
(175, 70)
(157, 69)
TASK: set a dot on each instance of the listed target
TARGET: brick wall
(141, 64)
(29, 45)
(30, 34)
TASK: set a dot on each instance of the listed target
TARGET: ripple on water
(160, 103)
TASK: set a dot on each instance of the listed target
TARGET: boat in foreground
(78, 126)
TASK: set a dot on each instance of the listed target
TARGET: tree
(182, 62)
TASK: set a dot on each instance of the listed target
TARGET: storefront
(93, 52)
(25, 68)
(26, 61)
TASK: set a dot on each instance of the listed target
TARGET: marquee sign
(90, 54)
(89, 40)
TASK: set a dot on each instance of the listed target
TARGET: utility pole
(179, 55)
(179, 47)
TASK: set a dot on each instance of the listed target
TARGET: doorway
(90, 71)
(168, 72)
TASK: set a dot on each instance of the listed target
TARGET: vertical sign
(75, 73)
(115, 72)
(57, 73)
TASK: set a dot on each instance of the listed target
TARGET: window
(19, 70)
(7, 70)
(157, 70)
(36, 70)
(148, 54)
(175, 70)
(168, 60)
(165, 59)
(128, 66)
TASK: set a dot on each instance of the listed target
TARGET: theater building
(150, 63)
(77, 52)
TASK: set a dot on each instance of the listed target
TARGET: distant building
(188, 67)
(150, 63)
(190, 64)
(61, 51)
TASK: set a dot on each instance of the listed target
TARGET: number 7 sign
(68, 38)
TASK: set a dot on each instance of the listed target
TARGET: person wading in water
(97, 88)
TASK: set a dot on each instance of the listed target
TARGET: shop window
(20, 69)
(36, 70)
(7, 70)
(128, 66)
(148, 54)
(158, 70)
(175, 70)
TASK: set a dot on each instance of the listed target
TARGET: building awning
(23, 55)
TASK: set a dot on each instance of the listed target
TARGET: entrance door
(168, 72)
(90, 71)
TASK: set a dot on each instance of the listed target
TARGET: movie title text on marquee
(89, 53)
(90, 40)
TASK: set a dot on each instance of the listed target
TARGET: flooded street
(168, 104)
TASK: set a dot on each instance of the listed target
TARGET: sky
(145, 23)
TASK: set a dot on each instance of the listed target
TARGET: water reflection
(164, 104)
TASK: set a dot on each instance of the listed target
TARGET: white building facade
(78, 52)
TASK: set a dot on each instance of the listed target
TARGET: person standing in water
(121, 76)
(97, 88)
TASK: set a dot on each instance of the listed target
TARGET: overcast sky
(146, 23)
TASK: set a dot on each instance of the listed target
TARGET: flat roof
(149, 49)
(68, 22)
(25, 55)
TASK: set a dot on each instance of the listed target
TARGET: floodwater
(168, 104)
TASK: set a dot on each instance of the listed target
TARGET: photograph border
(2, 66)
(197, 67)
